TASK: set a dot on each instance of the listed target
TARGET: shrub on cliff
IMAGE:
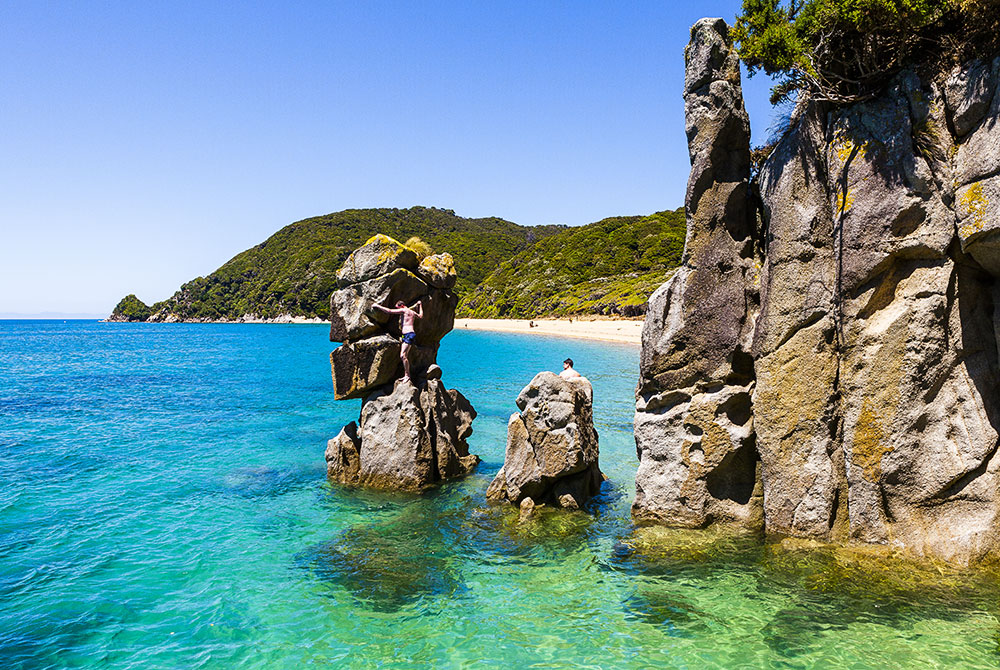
(844, 51)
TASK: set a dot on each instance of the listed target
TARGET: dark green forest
(609, 267)
(504, 269)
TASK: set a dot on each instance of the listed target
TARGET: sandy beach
(610, 330)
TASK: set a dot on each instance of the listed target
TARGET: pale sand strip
(610, 330)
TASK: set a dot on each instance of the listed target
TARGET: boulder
(410, 438)
(343, 457)
(552, 449)
(438, 270)
(380, 255)
(361, 367)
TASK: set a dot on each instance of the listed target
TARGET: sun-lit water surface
(163, 505)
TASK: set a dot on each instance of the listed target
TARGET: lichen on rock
(855, 318)
(411, 434)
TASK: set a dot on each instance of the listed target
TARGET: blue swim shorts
(409, 338)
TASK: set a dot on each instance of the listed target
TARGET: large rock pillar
(694, 427)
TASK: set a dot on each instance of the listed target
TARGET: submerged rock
(840, 379)
(552, 449)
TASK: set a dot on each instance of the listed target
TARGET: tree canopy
(844, 51)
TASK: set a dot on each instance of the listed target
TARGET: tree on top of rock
(844, 51)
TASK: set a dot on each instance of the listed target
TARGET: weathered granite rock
(693, 429)
(411, 437)
(552, 449)
(438, 271)
(361, 367)
(378, 256)
(968, 93)
(383, 272)
(343, 455)
(352, 315)
(868, 404)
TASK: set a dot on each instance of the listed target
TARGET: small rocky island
(411, 435)
(552, 450)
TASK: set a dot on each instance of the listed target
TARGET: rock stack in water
(829, 368)
(551, 455)
(410, 435)
(693, 426)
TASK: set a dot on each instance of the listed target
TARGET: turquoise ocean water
(163, 505)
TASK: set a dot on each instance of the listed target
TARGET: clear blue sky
(145, 144)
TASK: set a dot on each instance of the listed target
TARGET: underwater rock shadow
(387, 565)
(267, 482)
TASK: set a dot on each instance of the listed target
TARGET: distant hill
(608, 267)
(504, 269)
(294, 271)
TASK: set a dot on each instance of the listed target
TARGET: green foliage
(608, 267)
(130, 309)
(294, 270)
(504, 270)
(845, 50)
(419, 247)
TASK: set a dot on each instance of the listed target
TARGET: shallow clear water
(163, 505)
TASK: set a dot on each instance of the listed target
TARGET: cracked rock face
(409, 436)
(693, 428)
(871, 399)
(552, 449)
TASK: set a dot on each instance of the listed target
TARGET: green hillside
(608, 267)
(504, 270)
(294, 270)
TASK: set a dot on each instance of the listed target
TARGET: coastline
(625, 331)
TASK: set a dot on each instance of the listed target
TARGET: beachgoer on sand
(568, 372)
(407, 316)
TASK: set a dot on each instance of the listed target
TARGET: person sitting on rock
(407, 315)
(568, 372)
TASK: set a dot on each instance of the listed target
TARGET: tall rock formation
(552, 450)
(873, 388)
(410, 436)
(693, 426)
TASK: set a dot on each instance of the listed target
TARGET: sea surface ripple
(164, 505)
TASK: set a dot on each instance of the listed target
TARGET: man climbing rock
(407, 316)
